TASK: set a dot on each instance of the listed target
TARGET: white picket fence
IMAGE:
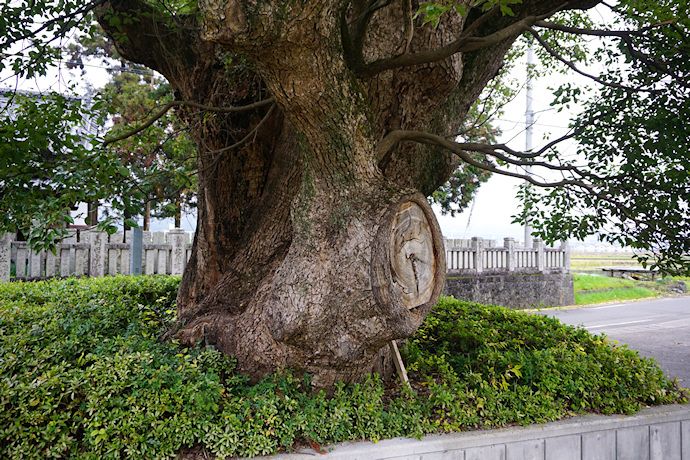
(484, 256)
(90, 253)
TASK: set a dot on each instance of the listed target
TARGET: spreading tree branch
(466, 42)
(462, 149)
(195, 105)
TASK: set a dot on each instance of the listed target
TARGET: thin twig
(172, 104)
(574, 68)
(246, 138)
(598, 32)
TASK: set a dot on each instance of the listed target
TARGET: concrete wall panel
(599, 446)
(633, 443)
(527, 450)
(685, 440)
(563, 448)
(664, 441)
(494, 452)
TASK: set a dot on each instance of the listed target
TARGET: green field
(592, 286)
(593, 262)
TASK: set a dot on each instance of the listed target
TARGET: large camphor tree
(321, 128)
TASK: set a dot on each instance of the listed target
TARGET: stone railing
(90, 253)
(483, 256)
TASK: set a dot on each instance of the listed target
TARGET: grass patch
(613, 295)
(590, 283)
(600, 289)
(82, 375)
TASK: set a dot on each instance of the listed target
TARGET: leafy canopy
(52, 155)
(45, 146)
(632, 137)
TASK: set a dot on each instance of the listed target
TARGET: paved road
(658, 328)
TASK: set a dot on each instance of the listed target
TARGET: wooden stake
(397, 359)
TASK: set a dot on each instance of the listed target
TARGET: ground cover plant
(83, 375)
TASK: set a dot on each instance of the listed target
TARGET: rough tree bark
(314, 248)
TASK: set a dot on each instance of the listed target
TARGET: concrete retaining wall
(660, 433)
(514, 290)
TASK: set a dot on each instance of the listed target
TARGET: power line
(81, 63)
(534, 123)
(113, 69)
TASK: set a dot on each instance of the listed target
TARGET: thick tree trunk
(342, 290)
(311, 252)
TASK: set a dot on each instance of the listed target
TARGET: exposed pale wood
(412, 259)
(409, 216)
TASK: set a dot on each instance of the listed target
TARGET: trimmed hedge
(82, 375)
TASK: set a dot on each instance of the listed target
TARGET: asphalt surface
(657, 328)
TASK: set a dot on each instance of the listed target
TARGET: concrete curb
(655, 433)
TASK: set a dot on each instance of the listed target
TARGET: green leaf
(506, 10)
(131, 223)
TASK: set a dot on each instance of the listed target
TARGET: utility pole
(529, 122)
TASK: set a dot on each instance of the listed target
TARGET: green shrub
(82, 375)
(492, 354)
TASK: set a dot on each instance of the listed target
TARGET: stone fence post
(478, 246)
(162, 264)
(67, 254)
(538, 244)
(5, 255)
(177, 239)
(97, 240)
(509, 244)
(136, 248)
(565, 247)
(35, 261)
